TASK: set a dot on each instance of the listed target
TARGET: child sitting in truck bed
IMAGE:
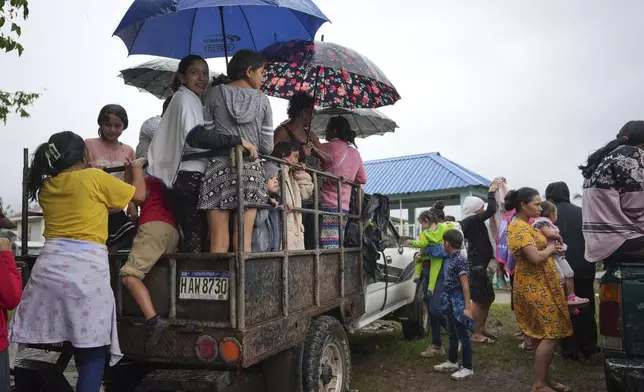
(156, 234)
(299, 186)
(267, 232)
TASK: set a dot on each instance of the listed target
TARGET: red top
(10, 292)
(157, 206)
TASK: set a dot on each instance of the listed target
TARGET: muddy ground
(383, 362)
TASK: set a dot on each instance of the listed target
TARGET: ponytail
(515, 198)
(220, 79)
(62, 151)
(631, 134)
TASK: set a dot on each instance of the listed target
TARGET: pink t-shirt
(101, 155)
(347, 162)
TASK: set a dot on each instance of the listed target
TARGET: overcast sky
(523, 89)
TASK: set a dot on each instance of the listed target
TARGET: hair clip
(52, 154)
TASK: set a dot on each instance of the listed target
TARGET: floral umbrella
(333, 74)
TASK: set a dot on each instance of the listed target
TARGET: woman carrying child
(68, 296)
(546, 225)
(299, 187)
(429, 267)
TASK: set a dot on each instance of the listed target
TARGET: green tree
(11, 12)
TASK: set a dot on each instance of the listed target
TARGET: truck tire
(326, 362)
(416, 325)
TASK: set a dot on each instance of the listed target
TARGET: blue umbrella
(176, 28)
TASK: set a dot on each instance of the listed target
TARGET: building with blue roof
(418, 181)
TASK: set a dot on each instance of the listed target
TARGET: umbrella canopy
(365, 122)
(333, 74)
(154, 76)
(177, 28)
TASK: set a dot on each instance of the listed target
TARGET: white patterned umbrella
(365, 122)
(154, 76)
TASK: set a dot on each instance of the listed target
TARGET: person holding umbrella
(235, 107)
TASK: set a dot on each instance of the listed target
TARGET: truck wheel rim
(331, 376)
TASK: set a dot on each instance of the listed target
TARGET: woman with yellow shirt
(68, 297)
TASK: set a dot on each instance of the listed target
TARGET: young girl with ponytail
(345, 162)
(180, 132)
(68, 296)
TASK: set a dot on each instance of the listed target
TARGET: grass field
(386, 363)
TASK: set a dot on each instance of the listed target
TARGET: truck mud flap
(34, 376)
(196, 381)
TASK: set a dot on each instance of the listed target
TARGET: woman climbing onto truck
(68, 296)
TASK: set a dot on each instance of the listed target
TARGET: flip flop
(490, 335)
(559, 387)
(487, 340)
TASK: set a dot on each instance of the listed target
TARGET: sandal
(487, 340)
(575, 301)
(559, 387)
(526, 347)
(490, 335)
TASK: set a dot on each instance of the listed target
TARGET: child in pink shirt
(347, 163)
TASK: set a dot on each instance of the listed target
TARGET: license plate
(203, 285)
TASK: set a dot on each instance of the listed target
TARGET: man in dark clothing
(584, 340)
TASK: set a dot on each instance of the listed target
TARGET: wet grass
(384, 362)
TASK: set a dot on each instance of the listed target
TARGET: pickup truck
(250, 321)
(621, 326)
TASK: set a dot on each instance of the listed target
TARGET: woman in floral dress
(539, 300)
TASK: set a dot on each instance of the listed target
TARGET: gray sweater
(244, 112)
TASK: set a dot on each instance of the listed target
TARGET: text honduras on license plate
(205, 285)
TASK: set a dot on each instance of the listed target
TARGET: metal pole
(401, 218)
(284, 242)
(316, 234)
(240, 255)
(25, 203)
(223, 33)
(341, 237)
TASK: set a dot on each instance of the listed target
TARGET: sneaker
(156, 330)
(573, 300)
(446, 367)
(462, 374)
(432, 351)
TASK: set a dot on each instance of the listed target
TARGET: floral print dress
(539, 299)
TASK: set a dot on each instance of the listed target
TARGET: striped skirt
(330, 228)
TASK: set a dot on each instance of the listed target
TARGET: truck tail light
(230, 350)
(206, 348)
(610, 325)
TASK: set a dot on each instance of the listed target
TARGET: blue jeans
(457, 332)
(432, 301)
(90, 363)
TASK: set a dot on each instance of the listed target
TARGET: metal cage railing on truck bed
(237, 263)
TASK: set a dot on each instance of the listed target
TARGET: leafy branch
(10, 13)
